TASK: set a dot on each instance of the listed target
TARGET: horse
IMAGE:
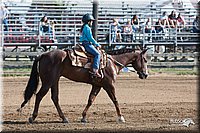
(50, 66)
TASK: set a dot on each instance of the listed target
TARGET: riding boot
(96, 73)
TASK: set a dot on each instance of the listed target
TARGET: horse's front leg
(110, 89)
(94, 92)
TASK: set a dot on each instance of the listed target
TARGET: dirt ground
(159, 103)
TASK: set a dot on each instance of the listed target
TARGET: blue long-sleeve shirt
(87, 35)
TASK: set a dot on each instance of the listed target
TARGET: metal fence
(24, 40)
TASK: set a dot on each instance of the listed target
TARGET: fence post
(143, 44)
(1, 27)
(110, 39)
(1, 34)
(175, 48)
(75, 35)
(95, 14)
(39, 37)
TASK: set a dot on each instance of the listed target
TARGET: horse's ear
(144, 51)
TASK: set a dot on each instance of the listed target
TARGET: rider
(89, 43)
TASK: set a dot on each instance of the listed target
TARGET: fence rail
(24, 39)
(69, 38)
(19, 59)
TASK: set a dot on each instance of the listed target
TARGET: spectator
(158, 29)
(135, 23)
(45, 26)
(196, 25)
(5, 17)
(22, 21)
(164, 20)
(180, 21)
(172, 19)
(115, 31)
(127, 32)
(1, 12)
(148, 28)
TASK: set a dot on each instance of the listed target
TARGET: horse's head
(140, 64)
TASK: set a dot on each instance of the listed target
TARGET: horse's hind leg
(43, 91)
(110, 89)
(54, 97)
(94, 92)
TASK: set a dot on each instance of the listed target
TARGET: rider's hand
(99, 47)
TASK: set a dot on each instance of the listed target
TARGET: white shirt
(164, 17)
(5, 12)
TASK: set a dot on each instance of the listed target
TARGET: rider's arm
(90, 37)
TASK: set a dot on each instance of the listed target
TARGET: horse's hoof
(83, 120)
(30, 120)
(120, 119)
(19, 110)
(65, 121)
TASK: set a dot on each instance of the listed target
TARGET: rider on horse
(89, 43)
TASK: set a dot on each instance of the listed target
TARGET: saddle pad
(79, 58)
(80, 50)
(76, 60)
(80, 53)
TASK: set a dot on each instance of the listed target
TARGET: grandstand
(24, 22)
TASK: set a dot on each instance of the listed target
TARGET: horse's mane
(120, 51)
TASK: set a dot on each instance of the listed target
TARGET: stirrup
(95, 75)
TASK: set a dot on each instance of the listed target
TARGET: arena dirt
(160, 102)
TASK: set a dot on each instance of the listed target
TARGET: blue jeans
(148, 31)
(113, 36)
(195, 30)
(5, 22)
(92, 50)
(48, 30)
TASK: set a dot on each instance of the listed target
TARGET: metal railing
(69, 21)
(177, 36)
(65, 37)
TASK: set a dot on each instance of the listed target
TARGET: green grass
(17, 69)
(13, 72)
(177, 71)
(14, 75)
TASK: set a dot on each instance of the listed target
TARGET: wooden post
(1, 25)
(95, 14)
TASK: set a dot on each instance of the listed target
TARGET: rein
(120, 64)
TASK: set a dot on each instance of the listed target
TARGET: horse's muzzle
(142, 75)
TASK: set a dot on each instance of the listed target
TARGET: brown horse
(56, 63)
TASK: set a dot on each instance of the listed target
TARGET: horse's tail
(32, 83)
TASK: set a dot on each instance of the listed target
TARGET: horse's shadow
(26, 122)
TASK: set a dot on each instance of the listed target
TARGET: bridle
(123, 66)
(120, 64)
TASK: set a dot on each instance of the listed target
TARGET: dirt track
(161, 102)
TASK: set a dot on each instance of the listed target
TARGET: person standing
(135, 22)
(172, 19)
(127, 31)
(115, 31)
(196, 25)
(164, 20)
(5, 17)
(180, 21)
(148, 28)
(45, 26)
